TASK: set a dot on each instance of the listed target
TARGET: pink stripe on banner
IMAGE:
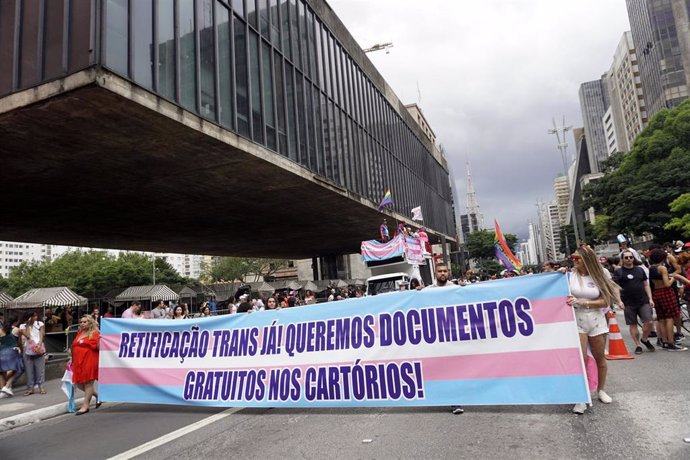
(496, 365)
(110, 342)
(546, 311)
(566, 361)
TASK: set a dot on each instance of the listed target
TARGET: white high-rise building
(627, 113)
(534, 251)
(551, 231)
(12, 254)
(562, 197)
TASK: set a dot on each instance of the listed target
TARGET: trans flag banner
(510, 341)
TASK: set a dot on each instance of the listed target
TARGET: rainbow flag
(503, 252)
(387, 199)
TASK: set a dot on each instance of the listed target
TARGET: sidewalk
(21, 410)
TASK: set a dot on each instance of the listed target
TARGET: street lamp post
(153, 260)
(560, 131)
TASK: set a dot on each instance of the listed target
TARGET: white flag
(417, 213)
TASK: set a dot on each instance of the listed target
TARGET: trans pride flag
(511, 341)
(503, 252)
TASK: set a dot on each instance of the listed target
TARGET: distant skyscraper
(627, 112)
(551, 231)
(594, 101)
(562, 196)
(661, 35)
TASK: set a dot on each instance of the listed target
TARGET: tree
(240, 268)
(681, 208)
(480, 244)
(637, 187)
(489, 267)
(589, 237)
(91, 273)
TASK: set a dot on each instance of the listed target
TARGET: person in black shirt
(637, 299)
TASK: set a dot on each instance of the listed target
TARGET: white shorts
(591, 322)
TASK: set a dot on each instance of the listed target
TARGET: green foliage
(480, 244)
(681, 208)
(489, 267)
(601, 229)
(637, 187)
(91, 273)
(240, 268)
(589, 237)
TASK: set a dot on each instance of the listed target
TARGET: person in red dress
(85, 360)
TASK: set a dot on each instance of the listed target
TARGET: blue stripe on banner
(535, 287)
(568, 389)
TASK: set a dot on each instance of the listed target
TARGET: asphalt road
(648, 419)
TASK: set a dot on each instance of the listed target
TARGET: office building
(661, 36)
(594, 101)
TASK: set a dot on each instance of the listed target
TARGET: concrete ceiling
(89, 167)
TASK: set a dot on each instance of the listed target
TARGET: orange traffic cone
(617, 349)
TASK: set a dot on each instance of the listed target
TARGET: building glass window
(166, 48)
(81, 46)
(251, 13)
(29, 71)
(241, 83)
(264, 20)
(280, 99)
(224, 67)
(327, 62)
(311, 42)
(318, 50)
(303, 37)
(311, 134)
(301, 121)
(116, 32)
(187, 55)
(269, 107)
(54, 28)
(294, 34)
(255, 84)
(238, 7)
(142, 43)
(285, 28)
(207, 59)
(292, 126)
(275, 23)
(318, 131)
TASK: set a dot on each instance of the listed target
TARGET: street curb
(34, 416)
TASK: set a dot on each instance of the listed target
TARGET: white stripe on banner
(559, 335)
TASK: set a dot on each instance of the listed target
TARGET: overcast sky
(492, 74)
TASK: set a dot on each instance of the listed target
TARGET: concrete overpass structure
(203, 127)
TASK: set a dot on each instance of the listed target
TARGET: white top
(35, 332)
(583, 287)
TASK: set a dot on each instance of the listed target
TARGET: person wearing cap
(625, 245)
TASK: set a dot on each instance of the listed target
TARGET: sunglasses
(628, 257)
(575, 258)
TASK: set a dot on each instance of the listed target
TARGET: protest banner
(511, 341)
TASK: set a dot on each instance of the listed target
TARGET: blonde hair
(609, 289)
(92, 326)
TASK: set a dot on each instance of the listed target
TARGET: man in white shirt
(442, 276)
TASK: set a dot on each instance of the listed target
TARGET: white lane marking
(174, 435)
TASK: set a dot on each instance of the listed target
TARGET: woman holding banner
(591, 292)
(85, 361)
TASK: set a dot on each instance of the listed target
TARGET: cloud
(492, 74)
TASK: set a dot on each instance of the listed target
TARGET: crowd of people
(647, 287)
